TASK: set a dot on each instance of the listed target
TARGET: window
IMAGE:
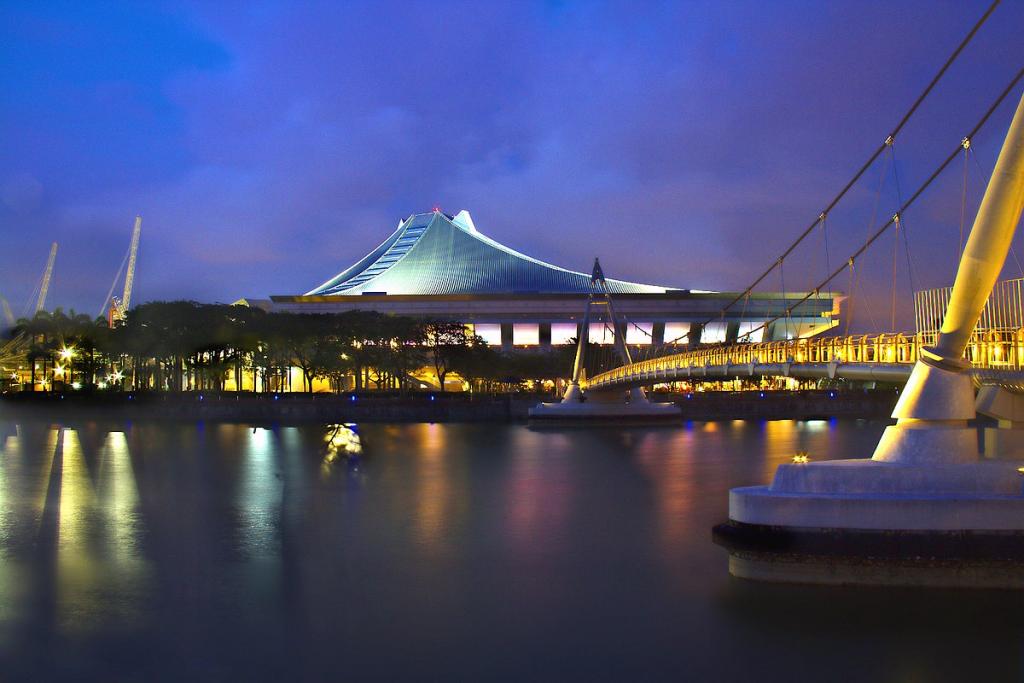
(675, 333)
(563, 333)
(525, 334)
(489, 332)
(714, 333)
(639, 333)
(601, 333)
(744, 334)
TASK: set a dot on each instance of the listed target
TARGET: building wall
(543, 319)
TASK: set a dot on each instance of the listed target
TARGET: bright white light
(638, 334)
(747, 332)
(562, 333)
(675, 333)
(489, 332)
(67, 353)
(714, 333)
(525, 334)
(76, 385)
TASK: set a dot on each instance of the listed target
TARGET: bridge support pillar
(1007, 440)
(932, 416)
(925, 500)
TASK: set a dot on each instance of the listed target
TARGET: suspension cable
(913, 198)
(895, 256)
(966, 144)
(903, 224)
(871, 160)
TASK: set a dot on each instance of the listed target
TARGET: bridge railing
(1001, 349)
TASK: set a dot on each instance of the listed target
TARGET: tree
(475, 362)
(444, 341)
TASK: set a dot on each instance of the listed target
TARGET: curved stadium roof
(434, 254)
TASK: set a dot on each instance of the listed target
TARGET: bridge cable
(920, 190)
(824, 244)
(782, 282)
(874, 156)
(872, 219)
(966, 144)
(903, 224)
(895, 257)
(849, 304)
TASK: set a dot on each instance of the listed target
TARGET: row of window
(638, 334)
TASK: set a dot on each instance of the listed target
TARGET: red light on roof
(437, 209)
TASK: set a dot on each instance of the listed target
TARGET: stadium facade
(440, 266)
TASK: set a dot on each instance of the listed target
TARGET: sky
(268, 145)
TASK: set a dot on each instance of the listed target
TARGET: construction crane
(8, 314)
(44, 288)
(119, 307)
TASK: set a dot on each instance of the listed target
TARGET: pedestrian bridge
(996, 357)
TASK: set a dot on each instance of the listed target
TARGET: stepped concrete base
(868, 494)
(876, 522)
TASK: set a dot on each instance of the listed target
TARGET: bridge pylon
(926, 499)
(938, 400)
(581, 403)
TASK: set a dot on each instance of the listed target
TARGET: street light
(67, 353)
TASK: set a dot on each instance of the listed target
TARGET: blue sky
(270, 144)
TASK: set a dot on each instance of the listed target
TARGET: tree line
(185, 345)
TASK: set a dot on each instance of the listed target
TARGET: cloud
(272, 145)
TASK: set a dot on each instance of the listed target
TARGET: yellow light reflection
(341, 441)
(433, 495)
(77, 574)
(120, 496)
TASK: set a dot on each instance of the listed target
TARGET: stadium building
(439, 266)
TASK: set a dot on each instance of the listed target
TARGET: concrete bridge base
(942, 524)
(605, 405)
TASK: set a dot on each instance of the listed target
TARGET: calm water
(153, 551)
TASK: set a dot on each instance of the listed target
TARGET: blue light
(762, 394)
(276, 397)
(353, 397)
(200, 397)
(689, 396)
(831, 394)
(431, 397)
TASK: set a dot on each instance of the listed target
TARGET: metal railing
(1002, 311)
(997, 343)
(995, 349)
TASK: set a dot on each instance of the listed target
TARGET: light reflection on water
(213, 552)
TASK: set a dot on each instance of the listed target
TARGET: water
(148, 551)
